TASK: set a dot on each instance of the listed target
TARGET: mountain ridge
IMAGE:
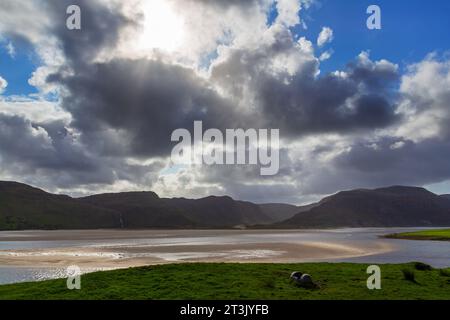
(27, 207)
(396, 206)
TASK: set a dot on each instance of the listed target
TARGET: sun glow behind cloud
(163, 29)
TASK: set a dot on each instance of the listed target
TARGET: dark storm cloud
(41, 146)
(387, 162)
(46, 154)
(304, 103)
(101, 26)
(394, 160)
(375, 76)
(320, 106)
(145, 101)
(142, 101)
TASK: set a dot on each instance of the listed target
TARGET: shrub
(444, 272)
(409, 275)
(422, 266)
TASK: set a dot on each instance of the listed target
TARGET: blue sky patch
(18, 69)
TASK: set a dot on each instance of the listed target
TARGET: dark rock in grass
(422, 266)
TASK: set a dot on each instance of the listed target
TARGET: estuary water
(41, 255)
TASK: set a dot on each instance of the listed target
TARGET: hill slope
(141, 210)
(445, 196)
(220, 211)
(386, 207)
(146, 209)
(282, 211)
(25, 207)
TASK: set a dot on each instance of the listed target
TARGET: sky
(92, 110)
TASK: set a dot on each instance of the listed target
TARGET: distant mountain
(281, 211)
(386, 207)
(141, 210)
(25, 207)
(445, 196)
(146, 209)
(221, 211)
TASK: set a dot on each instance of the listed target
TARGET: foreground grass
(240, 281)
(436, 235)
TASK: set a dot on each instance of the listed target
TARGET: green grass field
(436, 235)
(242, 281)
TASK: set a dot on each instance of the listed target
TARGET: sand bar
(124, 248)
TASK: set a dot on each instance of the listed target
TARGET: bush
(422, 266)
(444, 273)
(409, 275)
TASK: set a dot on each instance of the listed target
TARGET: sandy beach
(120, 249)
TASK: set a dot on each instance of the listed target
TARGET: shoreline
(108, 234)
(427, 235)
(415, 238)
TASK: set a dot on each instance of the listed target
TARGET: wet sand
(121, 249)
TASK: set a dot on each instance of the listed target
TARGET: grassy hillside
(436, 235)
(242, 281)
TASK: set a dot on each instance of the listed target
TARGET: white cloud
(37, 111)
(3, 85)
(27, 19)
(11, 49)
(397, 145)
(326, 55)
(325, 36)
(426, 103)
(288, 12)
(207, 26)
